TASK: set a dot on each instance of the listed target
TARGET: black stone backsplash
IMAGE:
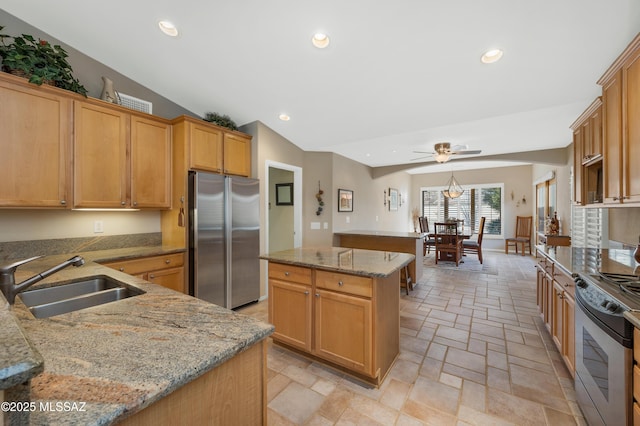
(13, 250)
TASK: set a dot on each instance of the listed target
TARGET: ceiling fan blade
(477, 151)
(420, 158)
(423, 152)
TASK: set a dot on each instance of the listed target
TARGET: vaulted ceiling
(397, 76)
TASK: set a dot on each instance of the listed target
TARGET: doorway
(284, 219)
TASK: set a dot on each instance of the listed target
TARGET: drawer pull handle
(286, 274)
(306, 292)
(152, 276)
(317, 294)
(121, 269)
(167, 261)
(340, 283)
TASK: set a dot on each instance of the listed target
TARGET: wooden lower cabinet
(166, 270)
(555, 296)
(636, 377)
(350, 322)
(234, 393)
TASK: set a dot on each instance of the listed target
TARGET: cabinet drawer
(636, 414)
(146, 264)
(636, 345)
(565, 281)
(292, 273)
(359, 286)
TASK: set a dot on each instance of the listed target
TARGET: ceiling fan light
(441, 157)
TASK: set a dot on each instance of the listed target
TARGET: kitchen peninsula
(404, 242)
(147, 359)
(340, 306)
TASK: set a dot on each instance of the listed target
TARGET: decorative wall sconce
(319, 198)
(523, 201)
(385, 198)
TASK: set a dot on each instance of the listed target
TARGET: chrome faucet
(8, 284)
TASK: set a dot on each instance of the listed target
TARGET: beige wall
(515, 179)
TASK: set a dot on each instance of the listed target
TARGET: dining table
(464, 233)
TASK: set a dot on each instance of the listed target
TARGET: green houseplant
(39, 61)
(220, 120)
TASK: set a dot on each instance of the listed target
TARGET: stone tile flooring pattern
(473, 351)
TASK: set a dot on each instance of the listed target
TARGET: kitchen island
(161, 357)
(338, 306)
(404, 242)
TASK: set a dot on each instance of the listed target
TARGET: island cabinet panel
(233, 393)
(290, 313)
(343, 330)
(351, 322)
(35, 142)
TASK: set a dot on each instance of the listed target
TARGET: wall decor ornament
(109, 94)
(319, 198)
(345, 200)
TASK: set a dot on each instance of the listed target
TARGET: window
(475, 202)
(545, 203)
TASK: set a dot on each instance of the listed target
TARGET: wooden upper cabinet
(631, 138)
(587, 155)
(150, 163)
(35, 141)
(205, 145)
(237, 154)
(121, 160)
(100, 156)
(621, 130)
(212, 148)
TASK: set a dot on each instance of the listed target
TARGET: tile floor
(473, 351)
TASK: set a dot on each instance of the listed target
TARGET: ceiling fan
(443, 151)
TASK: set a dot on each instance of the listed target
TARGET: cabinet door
(577, 166)
(612, 139)
(540, 289)
(557, 315)
(631, 140)
(172, 278)
(150, 163)
(290, 313)
(237, 155)
(568, 332)
(35, 140)
(206, 148)
(595, 147)
(343, 330)
(100, 156)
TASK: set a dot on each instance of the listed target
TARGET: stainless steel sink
(76, 295)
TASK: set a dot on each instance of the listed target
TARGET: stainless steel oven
(604, 358)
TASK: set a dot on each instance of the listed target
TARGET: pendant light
(454, 190)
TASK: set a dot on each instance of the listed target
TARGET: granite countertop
(416, 235)
(370, 263)
(591, 260)
(117, 357)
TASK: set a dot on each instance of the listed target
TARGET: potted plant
(220, 120)
(39, 61)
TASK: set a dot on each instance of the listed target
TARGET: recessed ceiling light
(284, 117)
(320, 40)
(168, 28)
(491, 56)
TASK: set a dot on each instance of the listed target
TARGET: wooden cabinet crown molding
(591, 109)
(194, 120)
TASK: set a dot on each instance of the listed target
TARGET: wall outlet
(326, 225)
(348, 219)
(98, 227)
(315, 225)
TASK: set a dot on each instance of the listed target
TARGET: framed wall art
(284, 194)
(393, 199)
(345, 200)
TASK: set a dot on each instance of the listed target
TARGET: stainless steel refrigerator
(224, 227)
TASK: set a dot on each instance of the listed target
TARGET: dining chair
(448, 244)
(523, 235)
(428, 240)
(475, 246)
